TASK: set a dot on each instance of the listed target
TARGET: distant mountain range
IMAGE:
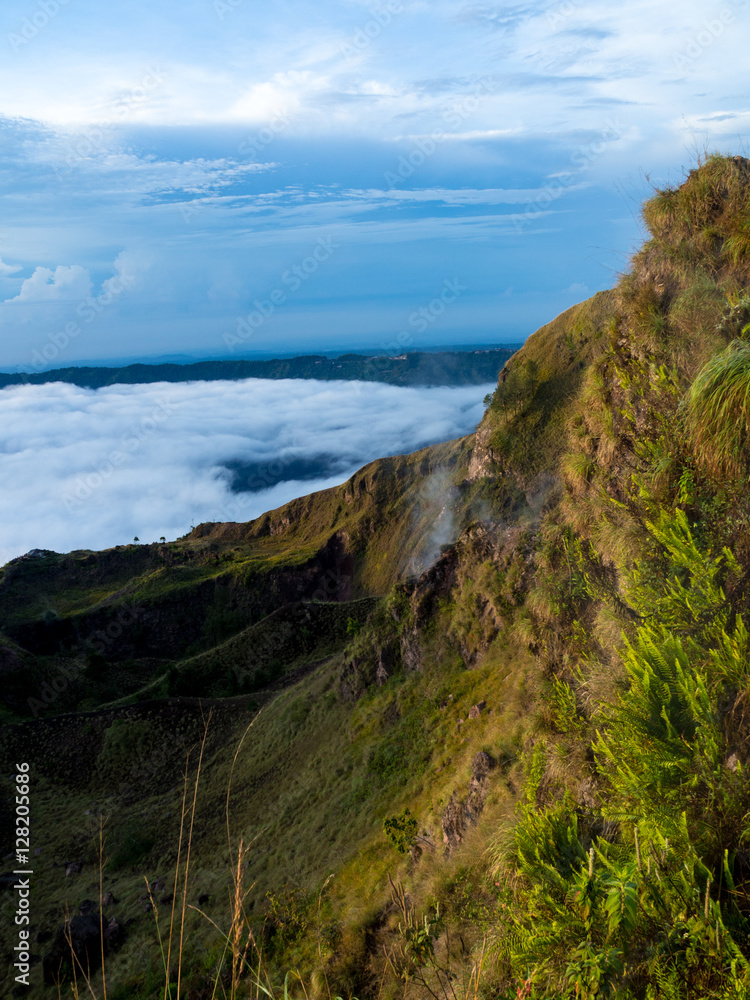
(414, 368)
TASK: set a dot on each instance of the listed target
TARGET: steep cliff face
(522, 433)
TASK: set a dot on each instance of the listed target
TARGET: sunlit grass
(717, 409)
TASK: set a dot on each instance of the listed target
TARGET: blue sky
(217, 177)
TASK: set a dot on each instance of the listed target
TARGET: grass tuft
(717, 409)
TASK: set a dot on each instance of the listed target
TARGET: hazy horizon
(186, 359)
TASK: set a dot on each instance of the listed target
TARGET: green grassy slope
(579, 805)
(524, 428)
(327, 758)
(314, 779)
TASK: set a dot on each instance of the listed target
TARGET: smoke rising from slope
(436, 498)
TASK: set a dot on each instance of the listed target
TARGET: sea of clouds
(88, 469)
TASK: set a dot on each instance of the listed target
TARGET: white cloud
(128, 268)
(285, 94)
(554, 60)
(92, 156)
(460, 196)
(717, 123)
(63, 284)
(91, 469)
(7, 269)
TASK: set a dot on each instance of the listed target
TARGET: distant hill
(415, 368)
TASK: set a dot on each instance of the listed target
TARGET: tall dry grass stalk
(242, 955)
(187, 859)
(168, 962)
(75, 961)
(101, 903)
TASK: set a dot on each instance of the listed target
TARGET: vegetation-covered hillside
(474, 723)
(411, 368)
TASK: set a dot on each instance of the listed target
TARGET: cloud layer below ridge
(92, 469)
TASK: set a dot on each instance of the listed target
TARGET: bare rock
(586, 794)
(453, 822)
(483, 463)
(481, 766)
(476, 710)
(460, 814)
(114, 933)
(356, 676)
(82, 935)
(388, 656)
(482, 763)
(411, 652)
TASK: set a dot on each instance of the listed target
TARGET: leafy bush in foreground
(648, 892)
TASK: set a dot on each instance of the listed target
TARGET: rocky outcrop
(78, 943)
(373, 667)
(483, 463)
(503, 553)
(461, 813)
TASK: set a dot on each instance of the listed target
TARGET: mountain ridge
(522, 758)
(416, 368)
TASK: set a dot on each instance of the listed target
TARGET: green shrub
(401, 831)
